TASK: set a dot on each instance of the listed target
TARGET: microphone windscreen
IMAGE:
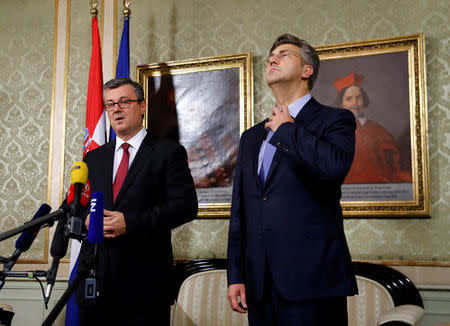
(60, 241)
(24, 242)
(79, 173)
(85, 194)
(70, 195)
(95, 233)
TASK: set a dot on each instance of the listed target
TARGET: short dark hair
(308, 53)
(341, 93)
(117, 82)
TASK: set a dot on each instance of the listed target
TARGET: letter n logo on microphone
(95, 234)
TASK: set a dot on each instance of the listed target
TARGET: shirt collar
(294, 108)
(362, 121)
(134, 142)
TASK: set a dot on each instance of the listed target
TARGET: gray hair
(308, 54)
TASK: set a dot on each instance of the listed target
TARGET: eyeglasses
(283, 54)
(123, 104)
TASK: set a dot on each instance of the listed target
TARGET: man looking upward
(288, 260)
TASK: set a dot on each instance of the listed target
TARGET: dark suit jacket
(157, 195)
(293, 223)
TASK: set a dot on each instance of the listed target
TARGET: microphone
(79, 174)
(24, 242)
(78, 177)
(57, 250)
(85, 194)
(26, 239)
(78, 196)
(95, 233)
(95, 236)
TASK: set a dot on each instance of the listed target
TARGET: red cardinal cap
(349, 80)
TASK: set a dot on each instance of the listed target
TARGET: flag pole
(123, 60)
(126, 8)
(95, 136)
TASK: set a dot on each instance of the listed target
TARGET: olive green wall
(173, 30)
(26, 70)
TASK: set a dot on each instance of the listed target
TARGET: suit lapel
(275, 161)
(260, 135)
(308, 112)
(305, 114)
(108, 164)
(139, 160)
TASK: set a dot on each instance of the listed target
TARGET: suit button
(279, 144)
(264, 197)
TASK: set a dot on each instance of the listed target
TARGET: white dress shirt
(134, 142)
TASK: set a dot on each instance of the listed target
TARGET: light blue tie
(269, 152)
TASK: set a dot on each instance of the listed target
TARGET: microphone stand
(83, 269)
(26, 274)
(36, 223)
(48, 220)
(83, 272)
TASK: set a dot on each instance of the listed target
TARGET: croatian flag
(123, 61)
(95, 136)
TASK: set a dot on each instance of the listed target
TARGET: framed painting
(205, 104)
(382, 82)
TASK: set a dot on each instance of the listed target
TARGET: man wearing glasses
(148, 190)
(288, 260)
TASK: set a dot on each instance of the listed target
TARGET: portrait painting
(381, 83)
(204, 104)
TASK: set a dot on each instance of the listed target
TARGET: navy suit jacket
(157, 195)
(293, 223)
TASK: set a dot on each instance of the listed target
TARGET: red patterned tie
(121, 171)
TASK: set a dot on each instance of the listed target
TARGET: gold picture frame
(391, 72)
(205, 104)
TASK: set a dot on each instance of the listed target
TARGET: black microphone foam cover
(24, 242)
(95, 233)
(60, 241)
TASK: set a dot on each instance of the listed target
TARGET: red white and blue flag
(95, 136)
